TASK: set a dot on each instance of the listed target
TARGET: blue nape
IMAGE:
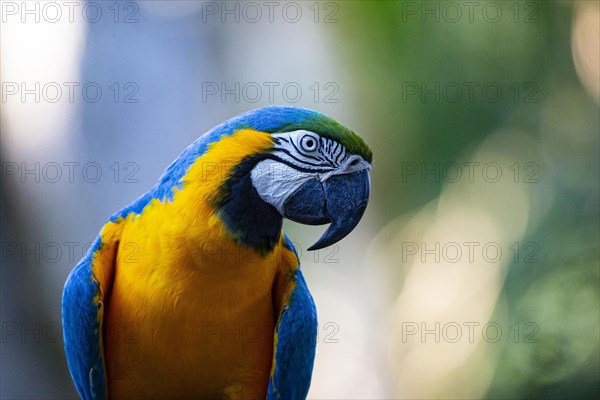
(268, 119)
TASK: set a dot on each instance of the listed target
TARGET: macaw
(194, 290)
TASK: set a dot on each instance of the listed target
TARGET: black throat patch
(250, 220)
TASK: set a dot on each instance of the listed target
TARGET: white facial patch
(300, 156)
(275, 182)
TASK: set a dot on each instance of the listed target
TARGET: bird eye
(309, 143)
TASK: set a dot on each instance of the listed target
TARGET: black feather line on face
(318, 166)
(324, 155)
(301, 152)
(317, 169)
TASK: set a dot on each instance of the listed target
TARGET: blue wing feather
(82, 328)
(296, 344)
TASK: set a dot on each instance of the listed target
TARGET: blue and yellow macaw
(194, 291)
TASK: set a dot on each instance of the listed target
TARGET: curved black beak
(341, 200)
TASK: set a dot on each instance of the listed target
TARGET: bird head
(317, 171)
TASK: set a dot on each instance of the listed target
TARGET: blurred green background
(475, 271)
